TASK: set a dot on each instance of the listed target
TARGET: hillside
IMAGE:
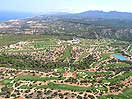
(61, 67)
(90, 24)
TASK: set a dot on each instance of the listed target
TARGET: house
(74, 41)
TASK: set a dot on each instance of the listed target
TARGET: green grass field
(116, 65)
(52, 85)
(119, 78)
(35, 78)
(67, 53)
(127, 94)
(31, 78)
(7, 39)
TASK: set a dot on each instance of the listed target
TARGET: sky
(73, 6)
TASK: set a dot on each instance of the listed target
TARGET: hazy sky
(65, 5)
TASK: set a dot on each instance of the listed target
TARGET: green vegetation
(35, 78)
(127, 94)
(59, 86)
(27, 62)
(85, 64)
(6, 81)
(119, 78)
(105, 56)
(68, 87)
(94, 73)
(129, 48)
(31, 78)
(116, 65)
(90, 76)
(67, 53)
(59, 70)
(48, 43)
(52, 85)
(7, 39)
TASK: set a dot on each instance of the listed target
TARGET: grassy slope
(127, 94)
(7, 39)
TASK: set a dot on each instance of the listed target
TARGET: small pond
(120, 57)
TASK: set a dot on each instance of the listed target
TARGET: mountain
(90, 24)
(105, 15)
(9, 15)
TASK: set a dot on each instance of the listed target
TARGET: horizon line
(51, 11)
